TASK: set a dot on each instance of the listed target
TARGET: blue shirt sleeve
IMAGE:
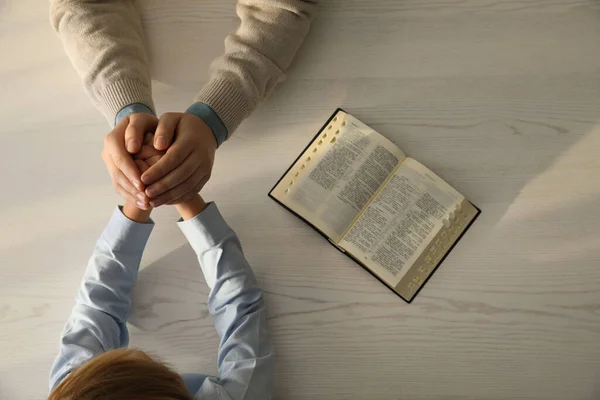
(245, 361)
(132, 109)
(199, 109)
(98, 320)
(210, 117)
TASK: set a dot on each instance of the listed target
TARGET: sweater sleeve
(256, 57)
(105, 42)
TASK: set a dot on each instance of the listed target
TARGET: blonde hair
(124, 374)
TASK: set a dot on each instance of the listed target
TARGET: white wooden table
(501, 98)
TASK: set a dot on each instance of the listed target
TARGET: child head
(123, 374)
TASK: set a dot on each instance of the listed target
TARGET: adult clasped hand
(188, 147)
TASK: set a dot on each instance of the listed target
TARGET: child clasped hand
(144, 159)
(94, 362)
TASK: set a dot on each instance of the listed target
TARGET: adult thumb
(139, 124)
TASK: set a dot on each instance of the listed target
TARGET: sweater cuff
(133, 109)
(123, 234)
(226, 100)
(212, 120)
(206, 229)
(114, 97)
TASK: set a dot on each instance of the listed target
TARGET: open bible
(391, 214)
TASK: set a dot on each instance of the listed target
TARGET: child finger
(152, 160)
(142, 165)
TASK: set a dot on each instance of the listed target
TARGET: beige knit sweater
(105, 42)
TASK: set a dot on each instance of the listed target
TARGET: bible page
(338, 174)
(401, 221)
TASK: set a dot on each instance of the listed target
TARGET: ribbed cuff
(227, 101)
(133, 109)
(211, 119)
(111, 99)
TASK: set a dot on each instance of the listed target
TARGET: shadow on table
(491, 133)
(169, 291)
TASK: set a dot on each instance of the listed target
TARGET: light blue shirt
(98, 319)
(199, 109)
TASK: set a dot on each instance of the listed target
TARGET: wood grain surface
(501, 98)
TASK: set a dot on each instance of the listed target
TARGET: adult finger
(179, 191)
(123, 160)
(174, 156)
(128, 197)
(165, 131)
(116, 176)
(119, 179)
(139, 125)
(190, 195)
(173, 178)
